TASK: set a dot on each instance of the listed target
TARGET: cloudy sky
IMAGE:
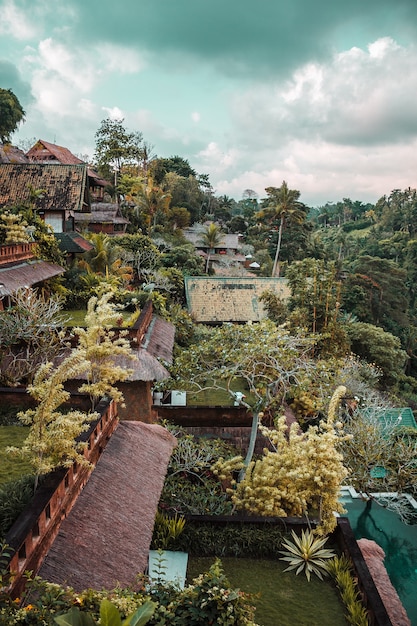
(322, 94)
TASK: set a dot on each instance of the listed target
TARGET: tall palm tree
(210, 238)
(282, 204)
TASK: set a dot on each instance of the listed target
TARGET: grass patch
(11, 467)
(218, 397)
(280, 597)
(76, 317)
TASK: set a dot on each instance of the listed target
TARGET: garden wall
(231, 423)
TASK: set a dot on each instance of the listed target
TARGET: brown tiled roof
(46, 151)
(215, 300)
(105, 539)
(11, 154)
(65, 185)
(26, 275)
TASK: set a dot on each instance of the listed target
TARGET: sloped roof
(145, 366)
(105, 539)
(11, 154)
(65, 185)
(73, 242)
(230, 240)
(231, 299)
(44, 151)
(102, 212)
(159, 339)
(26, 274)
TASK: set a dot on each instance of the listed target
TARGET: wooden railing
(33, 533)
(16, 252)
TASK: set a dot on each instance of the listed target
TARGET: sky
(321, 94)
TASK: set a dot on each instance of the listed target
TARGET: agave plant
(306, 553)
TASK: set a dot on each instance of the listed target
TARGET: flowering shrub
(303, 472)
(209, 599)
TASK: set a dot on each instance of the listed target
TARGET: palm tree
(151, 199)
(210, 238)
(283, 204)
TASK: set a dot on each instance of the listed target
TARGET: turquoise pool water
(397, 539)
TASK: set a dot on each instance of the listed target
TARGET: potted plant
(165, 564)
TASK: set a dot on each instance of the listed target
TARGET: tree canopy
(11, 114)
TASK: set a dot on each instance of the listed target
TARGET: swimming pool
(398, 540)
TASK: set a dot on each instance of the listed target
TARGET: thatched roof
(145, 367)
(105, 539)
(26, 274)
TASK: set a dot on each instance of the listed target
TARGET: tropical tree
(300, 472)
(263, 359)
(283, 205)
(30, 335)
(100, 347)
(376, 292)
(375, 345)
(116, 147)
(11, 114)
(51, 441)
(103, 264)
(151, 200)
(211, 237)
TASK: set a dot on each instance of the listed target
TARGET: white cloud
(15, 22)
(114, 113)
(359, 96)
(195, 116)
(119, 59)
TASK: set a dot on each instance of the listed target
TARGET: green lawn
(12, 467)
(76, 317)
(217, 397)
(280, 597)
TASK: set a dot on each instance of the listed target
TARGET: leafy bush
(14, 496)
(209, 599)
(231, 539)
(190, 486)
(340, 569)
(166, 530)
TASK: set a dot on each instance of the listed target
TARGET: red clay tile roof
(65, 185)
(26, 275)
(46, 151)
(105, 539)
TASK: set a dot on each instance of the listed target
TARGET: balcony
(16, 252)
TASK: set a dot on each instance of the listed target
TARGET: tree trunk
(275, 267)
